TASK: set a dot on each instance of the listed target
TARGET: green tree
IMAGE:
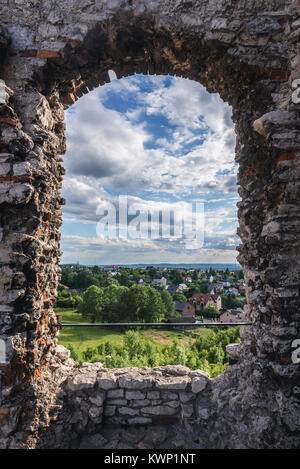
(143, 304)
(64, 302)
(92, 303)
(168, 303)
(123, 278)
(195, 276)
(179, 297)
(216, 354)
(175, 276)
(230, 301)
(152, 272)
(210, 311)
(67, 277)
(113, 310)
(66, 299)
(203, 287)
(177, 353)
(132, 343)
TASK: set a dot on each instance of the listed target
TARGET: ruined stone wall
(96, 403)
(51, 54)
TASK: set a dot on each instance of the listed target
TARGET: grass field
(84, 337)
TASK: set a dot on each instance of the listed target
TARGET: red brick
(284, 360)
(3, 147)
(280, 75)
(37, 373)
(250, 171)
(28, 53)
(9, 121)
(42, 53)
(15, 179)
(7, 375)
(289, 155)
(47, 54)
(253, 348)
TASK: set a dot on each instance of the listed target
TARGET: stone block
(97, 399)
(95, 412)
(107, 381)
(178, 383)
(62, 353)
(128, 411)
(135, 395)
(117, 401)
(15, 192)
(6, 349)
(165, 395)
(153, 395)
(186, 396)
(109, 410)
(198, 384)
(115, 393)
(142, 402)
(158, 410)
(139, 421)
(81, 381)
(132, 382)
(187, 410)
(173, 404)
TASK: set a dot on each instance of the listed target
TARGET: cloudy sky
(166, 146)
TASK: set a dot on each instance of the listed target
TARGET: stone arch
(247, 55)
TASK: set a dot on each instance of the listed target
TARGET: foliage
(81, 278)
(210, 311)
(195, 276)
(200, 286)
(92, 303)
(178, 296)
(113, 300)
(176, 277)
(208, 352)
(231, 302)
(139, 303)
(66, 298)
(169, 304)
(121, 299)
(143, 304)
(123, 279)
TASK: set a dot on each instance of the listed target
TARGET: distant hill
(174, 266)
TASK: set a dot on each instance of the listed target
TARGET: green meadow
(83, 337)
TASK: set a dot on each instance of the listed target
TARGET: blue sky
(163, 142)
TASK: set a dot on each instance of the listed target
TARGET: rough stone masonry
(51, 54)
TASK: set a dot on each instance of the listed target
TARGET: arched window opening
(149, 230)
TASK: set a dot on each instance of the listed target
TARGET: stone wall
(139, 396)
(96, 407)
(52, 53)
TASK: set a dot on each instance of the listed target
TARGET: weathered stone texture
(52, 53)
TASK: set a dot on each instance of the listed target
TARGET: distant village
(197, 295)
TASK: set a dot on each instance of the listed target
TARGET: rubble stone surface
(51, 54)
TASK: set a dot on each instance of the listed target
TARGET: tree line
(138, 303)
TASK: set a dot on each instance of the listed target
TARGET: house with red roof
(111, 268)
(201, 300)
